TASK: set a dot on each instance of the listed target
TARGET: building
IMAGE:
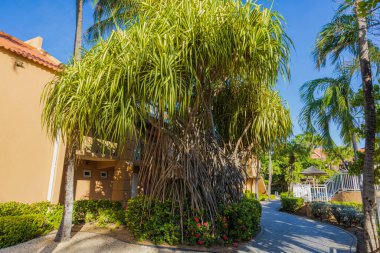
(31, 165)
(317, 153)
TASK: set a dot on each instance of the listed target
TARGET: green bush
(53, 213)
(17, 229)
(320, 209)
(155, 221)
(285, 195)
(290, 204)
(90, 210)
(347, 215)
(242, 219)
(357, 206)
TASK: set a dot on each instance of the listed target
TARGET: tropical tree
(371, 241)
(111, 14)
(348, 33)
(166, 71)
(326, 101)
(64, 231)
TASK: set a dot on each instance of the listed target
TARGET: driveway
(282, 232)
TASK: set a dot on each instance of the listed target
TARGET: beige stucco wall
(94, 187)
(25, 151)
(250, 185)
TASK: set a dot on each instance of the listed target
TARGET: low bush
(347, 215)
(20, 228)
(242, 219)
(291, 204)
(320, 210)
(156, 223)
(53, 213)
(286, 195)
(351, 204)
(93, 210)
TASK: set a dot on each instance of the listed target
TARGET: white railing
(338, 182)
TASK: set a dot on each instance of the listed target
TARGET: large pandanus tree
(166, 71)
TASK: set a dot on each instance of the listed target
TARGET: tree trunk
(354, 146)
(269, 174)
(257, 178)
(371, 243)
(78, 30)
(290, 189)
(64, 231)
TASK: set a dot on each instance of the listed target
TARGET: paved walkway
(281, 233)
(284, 232)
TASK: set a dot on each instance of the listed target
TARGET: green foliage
(102, 211)
(152, 220)
(320, 210)
(243, 219)
(53, 213)
(345, 213)
(199, 232)
(20, 228)
(358, 206)
(291, 204)
(155, 221)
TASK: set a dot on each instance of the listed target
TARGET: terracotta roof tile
(25, 50)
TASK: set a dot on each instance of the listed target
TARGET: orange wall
(25, 151)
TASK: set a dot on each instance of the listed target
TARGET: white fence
(324, 192)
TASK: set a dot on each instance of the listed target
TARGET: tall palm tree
(167, 68)
(329, 100)
(348, 33)
(371, 241)
(110, 14)
(64, 231)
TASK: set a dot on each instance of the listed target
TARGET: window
(87, 173)
(103, 175)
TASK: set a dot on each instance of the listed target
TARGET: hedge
(291, 204)
(155, 221)
(346, 215)
(100, 211)
(17, 229)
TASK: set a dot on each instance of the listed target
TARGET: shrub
(242, 219)
(154, 221)
(285, 195)
(320, 209)
(53, 213)
(90, 210)
(290, 204)
(347, 215)
(357, 206)
(17, 229)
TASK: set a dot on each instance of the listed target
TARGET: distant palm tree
(64, 231)
(109, 14)
(329, 100)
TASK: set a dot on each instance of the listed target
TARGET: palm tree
(168, 68)
(111, 14)
(371, 241)
(328, 100)
(348, 32)
(64, 231)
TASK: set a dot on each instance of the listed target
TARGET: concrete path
(281, 232)
(284, 232)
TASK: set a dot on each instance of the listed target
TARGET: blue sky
(55, 22)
